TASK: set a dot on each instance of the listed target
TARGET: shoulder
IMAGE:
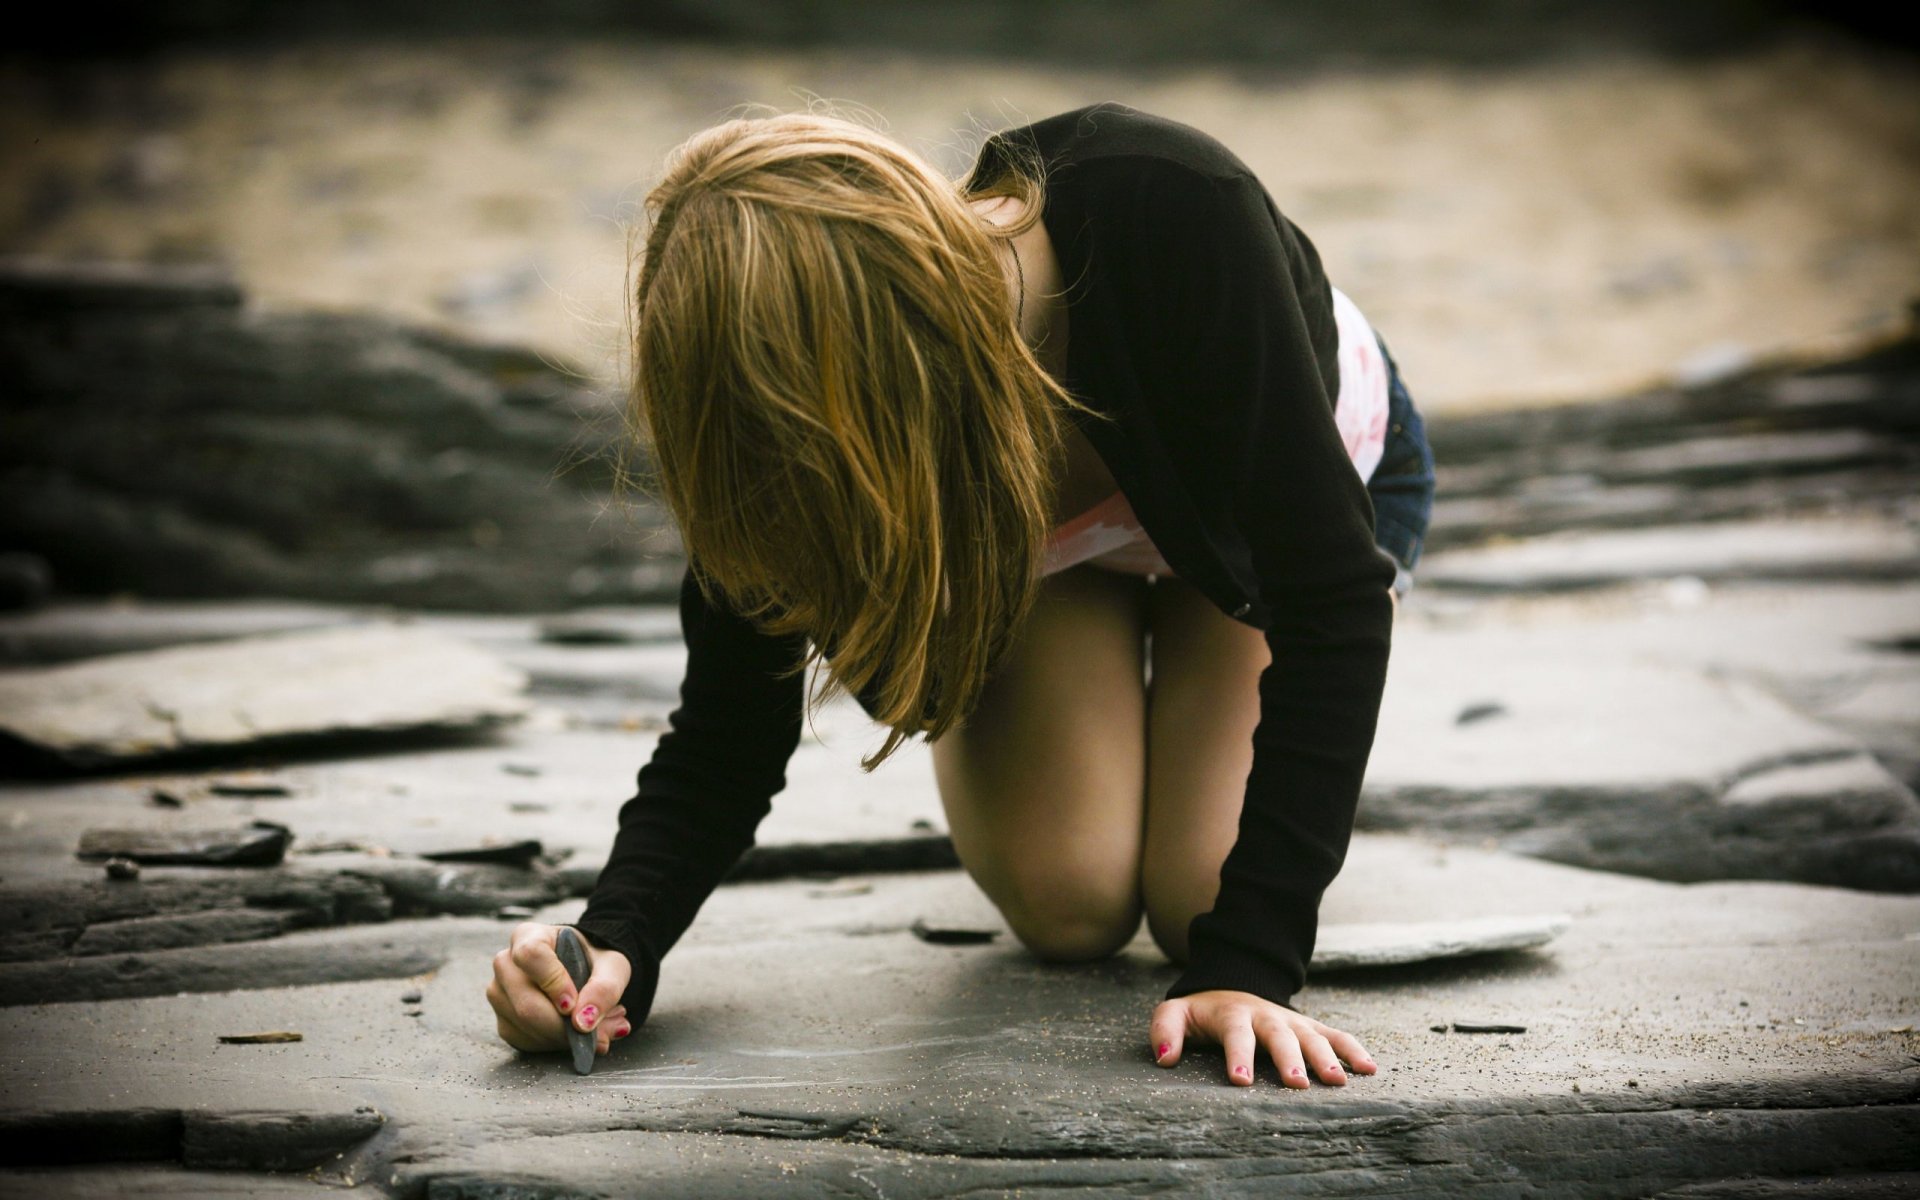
(1110, 139)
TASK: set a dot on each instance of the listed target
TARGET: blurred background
(326, 299)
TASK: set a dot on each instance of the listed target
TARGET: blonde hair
(842, 416)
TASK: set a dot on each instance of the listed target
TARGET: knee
(1173, 899)
(1071, 915)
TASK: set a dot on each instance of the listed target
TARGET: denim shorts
(1402, 485)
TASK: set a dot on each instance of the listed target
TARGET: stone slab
(1638, 729)
(1834, 548)
(1675, 1035)
(371, 680)
(1345, 946)
(77, 629)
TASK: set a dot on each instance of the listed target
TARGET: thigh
(1203, 704)
(1044, 783)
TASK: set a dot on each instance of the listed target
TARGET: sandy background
(1520, 235)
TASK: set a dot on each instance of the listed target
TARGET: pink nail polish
(1166, 1048)
(623, 1031)
(566, 1004)
(1243, 1072)
(588, 1016)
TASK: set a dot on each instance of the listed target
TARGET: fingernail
(1296, 1072)
(1243, 1072)
(623, 1031)
(1166, 1048)
(588, 1016)
(566, 1004)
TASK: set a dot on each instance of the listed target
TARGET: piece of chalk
(573, 956)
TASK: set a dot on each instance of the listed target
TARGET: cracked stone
(227, 695)
(260, 844)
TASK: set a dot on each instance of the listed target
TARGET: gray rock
(318, 455)
(75, 629)
(186, 929)
(573, 956)
(373, 680)
(519, 853)
(1733, 441)
(260, 844)
(1858, 547)
(274, 1141)
(418, 887)
(1626, 760)
(312, 957)
(159, 1181)
(44, 918)
(1346, 946)
(849, 1063)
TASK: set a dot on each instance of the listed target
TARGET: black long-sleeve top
(1202, 320)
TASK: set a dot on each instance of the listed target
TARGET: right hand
(533, 997)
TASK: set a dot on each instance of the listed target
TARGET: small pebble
(166, 799)
(122, 868)
(412, 1012)
(271, 1037)
(524, 770)
(410, 997)
(514, 912)
(952, 936)
(1633, 1083)
(247, 790)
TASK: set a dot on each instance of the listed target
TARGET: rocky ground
(1683, 790)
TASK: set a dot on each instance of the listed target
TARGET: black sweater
(1201, 319)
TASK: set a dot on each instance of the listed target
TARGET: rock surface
(1385, 944)
(352, 681)
(929, 1069)
(163, 437)
(1757, 443)
(1849, 548)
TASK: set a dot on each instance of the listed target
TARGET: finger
(510, 1032)
(1238, 1041)
(610, 1026)
(516, 1000)
(603, 989)
(1313, 1045)
(1284, 1046)
(534, 954)
(1349, 1048)
(1168, 1031)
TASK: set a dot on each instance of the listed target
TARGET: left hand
(1238, 1021)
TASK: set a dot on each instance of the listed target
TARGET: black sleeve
(710, 782)
(1232, 298)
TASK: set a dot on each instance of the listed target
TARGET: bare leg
(1044, 786)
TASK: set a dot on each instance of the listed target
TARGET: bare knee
(1173, 899)
(1070, 915)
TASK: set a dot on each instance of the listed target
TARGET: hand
(1236, 1020)
(533, 996)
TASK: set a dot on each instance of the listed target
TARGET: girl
(976, 448)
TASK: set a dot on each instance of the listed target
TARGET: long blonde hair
(843, 418)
